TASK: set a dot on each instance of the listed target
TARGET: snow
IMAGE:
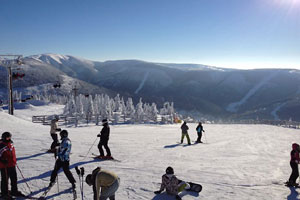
(142, 83)
(233, 107)
(241, 162)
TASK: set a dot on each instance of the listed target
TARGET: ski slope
(236, 162)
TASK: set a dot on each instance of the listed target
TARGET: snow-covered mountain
(203, 90)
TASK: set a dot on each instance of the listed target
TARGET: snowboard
(194, 187)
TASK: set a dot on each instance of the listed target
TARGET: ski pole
(78, 173)
(57, 183)
(82, 173)
(90, 149)
(24, 179)
(205, 136)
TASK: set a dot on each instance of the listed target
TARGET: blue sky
(224, 33)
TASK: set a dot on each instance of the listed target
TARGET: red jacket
(7, 154)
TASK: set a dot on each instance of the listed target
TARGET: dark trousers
(199, 137)
(295, 172)
(55, 141)
(8, 173)
(104, 143)
(65, 165)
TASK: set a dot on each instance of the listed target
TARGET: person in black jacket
(104, 137)
(199, 130)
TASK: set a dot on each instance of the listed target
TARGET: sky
(244, 34)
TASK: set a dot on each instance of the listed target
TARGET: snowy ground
(237, 162)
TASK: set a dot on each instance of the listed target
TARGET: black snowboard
(194, 187)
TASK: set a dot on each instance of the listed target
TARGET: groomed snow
(237, 162)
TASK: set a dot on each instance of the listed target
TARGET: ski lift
(17, 75)
(57, 85)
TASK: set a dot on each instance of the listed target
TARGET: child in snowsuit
(185, 129)
(107, 182)
(8, 162)
(104, 137)
(172, 185)
(63, 160)
(199, 130)
(53, 130)
(295, 160)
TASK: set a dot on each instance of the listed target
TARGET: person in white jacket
(53, 133)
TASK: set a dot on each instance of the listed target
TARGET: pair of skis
(44, 195)
(80, 173)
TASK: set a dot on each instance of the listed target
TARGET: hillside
(206, 91)
(236, 161)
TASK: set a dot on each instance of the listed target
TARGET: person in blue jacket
(199, 130)
(63, 160)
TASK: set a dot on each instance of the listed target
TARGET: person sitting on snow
(107, 181)
(172, 185)
(8, 162)
(295, 160)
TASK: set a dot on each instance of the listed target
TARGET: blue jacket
(65, 149)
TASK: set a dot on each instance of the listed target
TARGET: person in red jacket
(295, 160)
(8, 163)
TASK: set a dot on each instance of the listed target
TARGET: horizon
(232, 34)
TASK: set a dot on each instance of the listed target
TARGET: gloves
(99, 135)
(58, 129)
(157, 192)
(178, 197)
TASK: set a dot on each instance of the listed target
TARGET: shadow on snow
(165, 196)
(293, 195)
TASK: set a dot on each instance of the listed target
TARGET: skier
(295, 160)
(63, 160)
(8, 163)
(107, 181)
(199, 130)
(53, 134)
(104, 137)
(172, 185)
(185, 129)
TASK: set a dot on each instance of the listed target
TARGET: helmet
(169, 170)
(295, 146)
(63, 133)
(5, 135)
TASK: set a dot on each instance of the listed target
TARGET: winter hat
(88, 179)
(169, 170)
(295, 146)
(56, 117)
(5, 135)
(63, 133)
(104, 121)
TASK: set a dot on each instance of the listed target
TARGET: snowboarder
(172, 185)
(53, 134)
(199, 130)
(104, 137)
(107, 181)
(295, 160)
(185, 129)
(63, 160)
(8, 162)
